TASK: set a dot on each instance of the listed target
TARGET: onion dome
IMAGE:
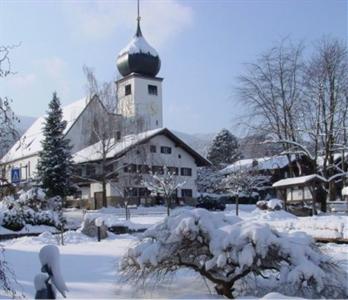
(138, 57)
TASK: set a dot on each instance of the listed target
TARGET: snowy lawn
(324, 226)
(90, 268)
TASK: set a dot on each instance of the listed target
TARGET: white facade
(25, 153)
(133, 160)
(140, 102)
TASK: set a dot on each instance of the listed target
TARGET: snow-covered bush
(8, 283)
(34, 198)
(234, 254)
(272, 204)
(30, 207)
(13, 219)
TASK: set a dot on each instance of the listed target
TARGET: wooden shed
(303, 189)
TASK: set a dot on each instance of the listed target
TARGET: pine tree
(224, 149)
(55, 162)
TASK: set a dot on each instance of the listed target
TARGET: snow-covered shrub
(33, 198)
(272, 204)
(31, 207)
(234, 254)
(55, 204)
(45, 217)
(29, 216)
(8, 283)
(13, 220)
(262, 204)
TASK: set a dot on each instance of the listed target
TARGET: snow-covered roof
(93, 152)
(30, 142)
(298, 180)
(345, 191)
(263, 163)
(336, 156)
(138, 45)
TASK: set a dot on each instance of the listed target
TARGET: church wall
(81, 133)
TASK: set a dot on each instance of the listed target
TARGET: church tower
(139, 91)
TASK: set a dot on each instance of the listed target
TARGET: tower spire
(138, 33)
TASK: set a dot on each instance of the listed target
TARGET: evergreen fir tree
(224, 149)
(55, 162)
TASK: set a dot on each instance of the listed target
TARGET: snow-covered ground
(90, 268)
(319, 227)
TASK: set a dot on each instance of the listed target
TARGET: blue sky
(202, 45)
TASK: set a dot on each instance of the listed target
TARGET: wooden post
(285, 200)
(313, 193)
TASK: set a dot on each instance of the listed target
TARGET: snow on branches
(164, 184)
(233, 255)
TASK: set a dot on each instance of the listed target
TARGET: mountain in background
(251, 146)
(199, 141)
(24, 123)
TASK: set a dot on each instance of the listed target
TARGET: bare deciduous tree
(105, 126)
(8, 120)
(271, 88)
(325, 105)
(165, 184)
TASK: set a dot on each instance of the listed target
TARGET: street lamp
(98, 222)
(126, 207)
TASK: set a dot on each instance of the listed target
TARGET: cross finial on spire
(138, 17)
(138, 33)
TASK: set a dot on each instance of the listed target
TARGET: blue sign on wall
(15, 175)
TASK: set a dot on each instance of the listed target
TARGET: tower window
(128, 89)
(152, 89)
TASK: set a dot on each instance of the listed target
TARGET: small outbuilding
(301, 190)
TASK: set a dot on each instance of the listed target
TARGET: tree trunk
(105, 203)
(224, 290)
(237, 205)
(168, 206)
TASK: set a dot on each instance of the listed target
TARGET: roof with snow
(128, 142)
(30, 142)
(345, 191)
(336, 157)
(302, 180)
(263, 163)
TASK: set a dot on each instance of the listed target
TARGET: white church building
(140, 144)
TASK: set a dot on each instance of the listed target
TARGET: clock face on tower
(153, 109)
